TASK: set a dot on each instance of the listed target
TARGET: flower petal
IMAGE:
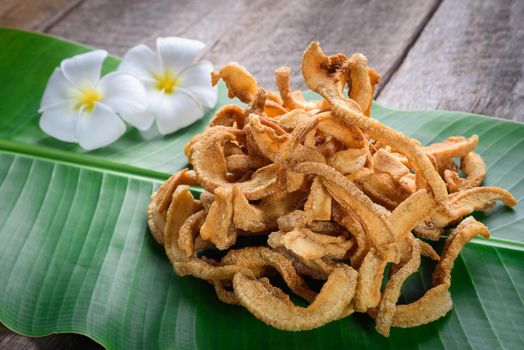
(173, 112)
(123, 93)
(98, 128)
(196, 79)
(58, 90)
(207, 96)
(177, 53)
(141, 62)
(196, 74)
(141, 120)
(59, 121)
(84, 69)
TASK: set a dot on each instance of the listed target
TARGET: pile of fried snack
(326, 193)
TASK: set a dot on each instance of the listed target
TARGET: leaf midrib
(81, 160)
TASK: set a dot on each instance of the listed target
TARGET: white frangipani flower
(79, 106)
(178, 87)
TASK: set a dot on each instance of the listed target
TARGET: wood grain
(13, 341)
(262, 35)
(470, 58)
(38, 15)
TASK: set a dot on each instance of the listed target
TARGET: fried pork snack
(317, 193)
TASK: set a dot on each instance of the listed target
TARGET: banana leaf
(76, 254)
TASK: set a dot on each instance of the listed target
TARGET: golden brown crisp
(296, 191)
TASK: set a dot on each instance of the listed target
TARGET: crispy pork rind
(473, 167)
(296, 190)
(348, 220)
(318, 204)
(309, 245)
(464, 232)
(387, 162)
(266, 136)
(265, 257)
(273, 109)
(241, 163)
(382, 188)
(292, 99)
(437, 301)
(329, 305)
(263, 216)
(224, 295)
(162, 199)
(465, 202)
(460, 204)
(362, 82)
(189, 232)
(240, 83)
(414, 210)
(210, 165)
(370, 276)
(349, 161)
(211, 271)
(388, 303)
(229, 115)
(352, 199)
(323, 75)
(218, 227)
(181, 208)
(452, 147)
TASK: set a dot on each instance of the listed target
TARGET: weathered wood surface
(457, 55)
(470, 57)
(37, 15)
(261, 35)
(10, 340)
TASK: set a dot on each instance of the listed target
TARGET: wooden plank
(36, 15)
(262, 35)
(470, 57)
(13, 341)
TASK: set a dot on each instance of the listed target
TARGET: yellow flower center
(86, 98)
(166, 82)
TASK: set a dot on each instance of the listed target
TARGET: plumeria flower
(79, 106)
(178, 88)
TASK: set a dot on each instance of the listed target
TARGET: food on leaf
(296, 191)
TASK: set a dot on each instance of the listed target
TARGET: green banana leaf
(76, 254)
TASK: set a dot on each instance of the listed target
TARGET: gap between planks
(416, 35)
(52, 21)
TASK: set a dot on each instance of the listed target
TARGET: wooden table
(457, 55)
